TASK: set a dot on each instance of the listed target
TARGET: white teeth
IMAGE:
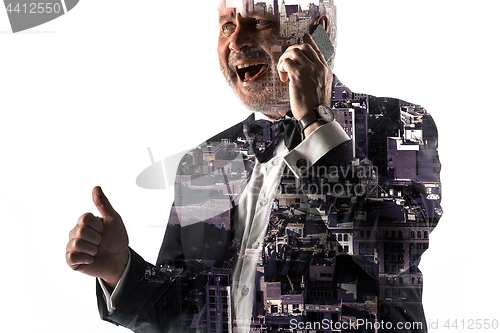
(250, 64)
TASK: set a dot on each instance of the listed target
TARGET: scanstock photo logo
(25, 15)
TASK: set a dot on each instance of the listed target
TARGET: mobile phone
(323, 42)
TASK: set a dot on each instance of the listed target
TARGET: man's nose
(242, 37)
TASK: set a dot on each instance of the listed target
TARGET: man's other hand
(310, 77)
(98, 246)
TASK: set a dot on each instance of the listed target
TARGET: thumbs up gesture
(98, 246)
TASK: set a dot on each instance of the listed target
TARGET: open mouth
(251, 70)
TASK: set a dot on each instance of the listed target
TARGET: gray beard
(264, 99)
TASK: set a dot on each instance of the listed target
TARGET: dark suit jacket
(374, 239)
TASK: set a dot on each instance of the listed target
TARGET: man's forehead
(236, 6)
(287, 7)
(245, 8)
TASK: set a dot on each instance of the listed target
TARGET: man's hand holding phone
(310, 78)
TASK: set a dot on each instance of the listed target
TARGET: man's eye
(228, 26)
(262, 24)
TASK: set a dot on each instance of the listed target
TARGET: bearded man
(302, 216)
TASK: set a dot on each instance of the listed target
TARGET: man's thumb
(102, 203)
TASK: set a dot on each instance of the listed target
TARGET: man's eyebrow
(226, 17)
(262, 16)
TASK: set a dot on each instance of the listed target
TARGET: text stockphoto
(326, 324)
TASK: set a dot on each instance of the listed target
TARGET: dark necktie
(292, 132)
(264, 135)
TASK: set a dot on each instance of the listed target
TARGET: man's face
(249, 48)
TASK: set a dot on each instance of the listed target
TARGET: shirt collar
(262, 116)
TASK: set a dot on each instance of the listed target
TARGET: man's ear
(323, 20)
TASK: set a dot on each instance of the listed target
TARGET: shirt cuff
(316, 145)
(113, 298)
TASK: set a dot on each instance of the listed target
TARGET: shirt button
(276, 161)
(301, 163)
(264, 201)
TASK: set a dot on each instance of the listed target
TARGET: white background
(83, 96)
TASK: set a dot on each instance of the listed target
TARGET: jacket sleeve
(126, 313)
(151, 301)
(384, 187)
